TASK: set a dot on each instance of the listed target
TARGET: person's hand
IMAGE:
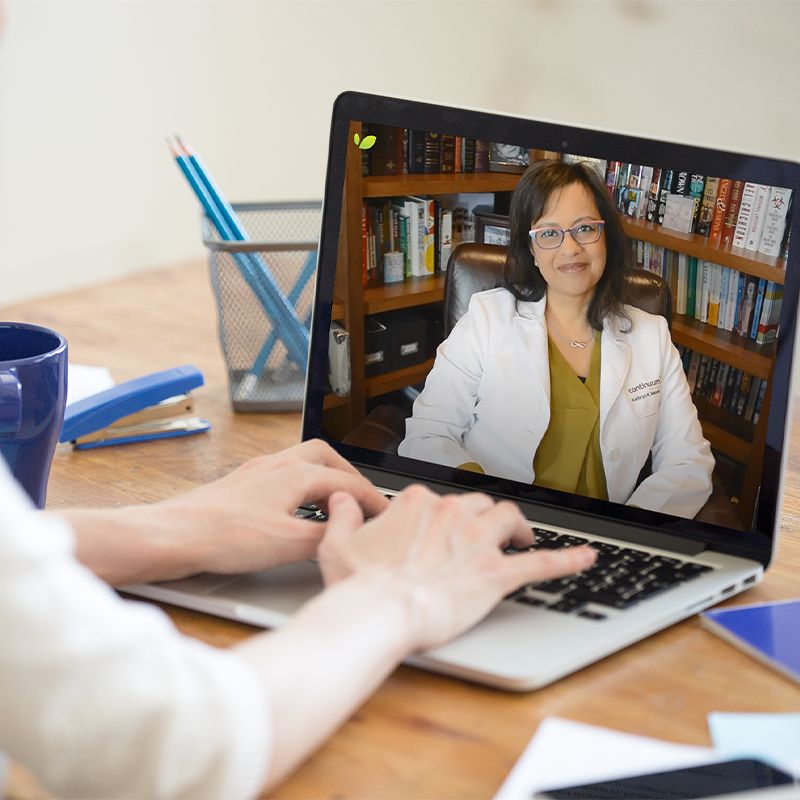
(243, 522)
(442, 556)
(247, 519)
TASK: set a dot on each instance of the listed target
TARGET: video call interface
(719, 244)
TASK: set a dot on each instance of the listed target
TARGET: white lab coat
(487, 400)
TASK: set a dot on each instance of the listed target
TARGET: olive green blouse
(568, 457)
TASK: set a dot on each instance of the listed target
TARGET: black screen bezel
(756, 544)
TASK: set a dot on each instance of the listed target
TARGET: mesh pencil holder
(264, 291)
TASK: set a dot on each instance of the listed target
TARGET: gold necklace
(570, 342)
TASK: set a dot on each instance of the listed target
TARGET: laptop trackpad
(282, 589)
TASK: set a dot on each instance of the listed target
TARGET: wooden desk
(420, 735)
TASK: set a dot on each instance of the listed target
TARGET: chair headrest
(477, 267)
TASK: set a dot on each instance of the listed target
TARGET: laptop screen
(584, 320)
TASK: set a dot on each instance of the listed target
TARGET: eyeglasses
(583, 233)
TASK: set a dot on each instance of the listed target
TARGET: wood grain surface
(420, 735)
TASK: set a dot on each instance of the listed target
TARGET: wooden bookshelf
(414, 292)
(761, 266)
(725, 346)
(455, 183)
(391, 381)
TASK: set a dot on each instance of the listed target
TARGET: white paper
(85, 381)
(565, 753)
(774, 738)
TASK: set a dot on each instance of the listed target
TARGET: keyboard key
(531, 601)
(567, 604)
(594, 615)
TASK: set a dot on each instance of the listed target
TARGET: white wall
(89, 89)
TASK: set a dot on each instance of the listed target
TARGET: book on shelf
(383, 154)
(645, 185)
(745, 212)
(445, 238)
(468, 151)
(731, 299)
(775, 219)
(720, 210)
(654, 194)
(412, 209)
(433, 153)
(757, 217)
(705, 285)
(691, 376)
(714, 292)
(416, 152)
(748, 305)
(739, 295)
(691, 285)
(696, 188)
(481, 156)
(744, 393)
(448, 153)
(725, 277)
(770, 313)
(437, 233)
(428, 228)
(707, 207)
(458, 154)
(680, 183)
(752, 397)
(667, 180)
(732, 213)
(678, 213)
(364, 248)
(682, 281)
(762, 390)
(720, 384)
(635, 176)
(711, 380)
(762, 285)
(402, 151)
(612, 172)
(393, 266)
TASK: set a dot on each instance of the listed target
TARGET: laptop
(670, 566)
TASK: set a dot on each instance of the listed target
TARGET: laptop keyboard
(621, 577)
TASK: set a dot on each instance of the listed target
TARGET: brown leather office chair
(477, 267)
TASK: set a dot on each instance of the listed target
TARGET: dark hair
(529, 203)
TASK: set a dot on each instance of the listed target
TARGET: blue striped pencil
(258, 277)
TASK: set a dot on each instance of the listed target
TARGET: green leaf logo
(366, 144)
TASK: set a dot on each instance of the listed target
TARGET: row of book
(722, 385)
(719, 296)
(409, 237)
(402, 151)
(732, 213)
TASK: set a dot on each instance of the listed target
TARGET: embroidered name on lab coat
(644, 390)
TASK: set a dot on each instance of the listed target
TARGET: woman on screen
(554, 380)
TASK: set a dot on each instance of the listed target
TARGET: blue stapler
(156, 406)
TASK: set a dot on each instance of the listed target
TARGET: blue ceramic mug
(33, 395)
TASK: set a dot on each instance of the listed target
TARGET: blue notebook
(769, 632)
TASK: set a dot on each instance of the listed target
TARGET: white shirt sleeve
(104, 697)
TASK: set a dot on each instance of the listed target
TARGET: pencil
(250, 380)
(254, 271)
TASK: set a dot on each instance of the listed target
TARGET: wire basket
(264, 372)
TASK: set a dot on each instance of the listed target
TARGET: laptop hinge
(642, 535)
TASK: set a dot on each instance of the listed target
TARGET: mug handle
(10, 402)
